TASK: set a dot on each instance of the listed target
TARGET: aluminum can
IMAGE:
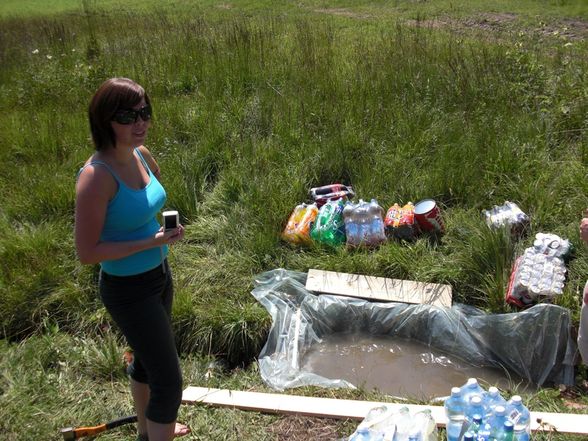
(428, 216)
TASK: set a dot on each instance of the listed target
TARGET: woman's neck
(120, 155)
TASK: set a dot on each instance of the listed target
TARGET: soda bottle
(303, 228)
(298, 227)
(361, 218)
(455, 413)
(521, 418)
(329, 227)
(375, 219)
(351, 226)
(392, 218)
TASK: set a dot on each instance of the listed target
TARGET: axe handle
(80, 432)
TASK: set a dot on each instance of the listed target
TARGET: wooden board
(379, 288)
(353, 409)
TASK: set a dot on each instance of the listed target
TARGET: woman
(583, 329)
(118, 196)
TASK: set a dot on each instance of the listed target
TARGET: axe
(69, 433)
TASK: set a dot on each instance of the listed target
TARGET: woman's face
(133, 134)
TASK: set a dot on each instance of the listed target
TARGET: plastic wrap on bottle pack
(321, 195)
(388, 423)
(540, 273)
(508, 214)
(364, 223)
(400, 222)
(329, 227)
(297, 230)
(551, 245)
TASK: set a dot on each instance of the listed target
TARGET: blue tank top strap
(112, 172)
(143, 160)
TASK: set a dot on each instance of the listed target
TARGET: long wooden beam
(354, 409)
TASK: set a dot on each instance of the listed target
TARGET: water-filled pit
(406, 350)
(398, 367)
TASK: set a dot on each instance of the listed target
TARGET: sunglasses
(130, 116)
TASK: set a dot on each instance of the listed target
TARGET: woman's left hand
(171, 236)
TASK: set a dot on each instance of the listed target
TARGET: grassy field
(255, 103)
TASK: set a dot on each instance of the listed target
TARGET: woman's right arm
(584, 227)
(95, 187)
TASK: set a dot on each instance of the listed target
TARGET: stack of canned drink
(508, 214)
(540, 272)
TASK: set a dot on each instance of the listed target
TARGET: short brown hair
(113, 95)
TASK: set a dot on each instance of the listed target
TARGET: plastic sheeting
(535, 344)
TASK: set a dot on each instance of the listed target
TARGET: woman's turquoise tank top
(132, 215)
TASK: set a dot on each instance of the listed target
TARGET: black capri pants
(141, 306)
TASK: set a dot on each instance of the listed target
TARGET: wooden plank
(353, 409)
(379, 288)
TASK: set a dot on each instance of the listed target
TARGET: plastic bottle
(378, 418)
(475, 407)
(299, 224)
(403, 424)
(351, 227)
(415, 435)
(329, 227)
(472, 387)
(521, 418)
(361, 434)
(469, 436)
(455, 413)
(497, 420)
(377, 235)
(484, 434)
(361, 217)
(424, 425)
(476, 423)
(493, 399)
(506, 432)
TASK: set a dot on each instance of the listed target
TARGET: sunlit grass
(255, 103)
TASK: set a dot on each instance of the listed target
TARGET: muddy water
(398, 367)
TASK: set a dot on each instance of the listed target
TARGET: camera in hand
(171, 219)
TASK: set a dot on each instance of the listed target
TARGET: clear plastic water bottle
(455, 413)
(403, 422)
(365, 434)
(497, 420)
(493, 399)
(471, 388)
(521, 418)
(475, 407)
(424, 425)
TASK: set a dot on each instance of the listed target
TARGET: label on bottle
(514, 416)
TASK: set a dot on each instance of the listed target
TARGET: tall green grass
(253, 106)
(251, 110)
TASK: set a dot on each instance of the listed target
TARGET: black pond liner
(535, 344)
